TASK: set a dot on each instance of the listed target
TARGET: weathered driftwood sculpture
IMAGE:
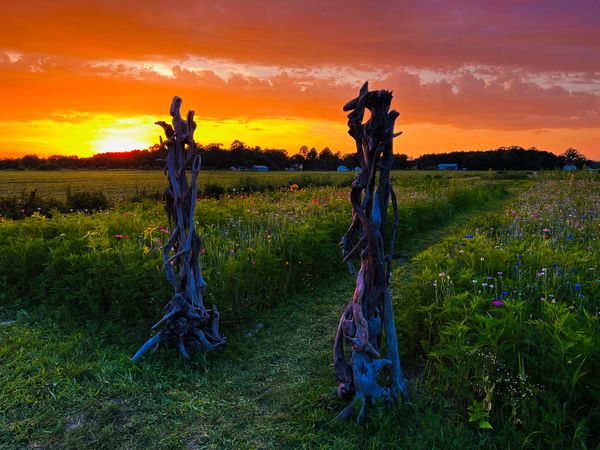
(369, 314)
(186, 323)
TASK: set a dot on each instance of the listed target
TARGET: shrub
(27, 204)
(213, 190)
(87, 201)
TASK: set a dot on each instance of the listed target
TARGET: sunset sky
(79, 77)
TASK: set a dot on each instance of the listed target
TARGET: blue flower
(578, 287)
(504, 292)
(574, 270)
(581, 295)
(570, 237)
(468, 236)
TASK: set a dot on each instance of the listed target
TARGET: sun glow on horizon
(123, 134)
(116, 143)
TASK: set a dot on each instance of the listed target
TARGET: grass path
(274, 388)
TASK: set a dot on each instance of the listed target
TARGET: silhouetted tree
(575, 157)
(30, 161)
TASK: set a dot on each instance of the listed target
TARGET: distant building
(569, 167)
(260, 168)
(342, 168)
(295, 168)
(452, 166)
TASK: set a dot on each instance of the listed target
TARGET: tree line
(243, 157)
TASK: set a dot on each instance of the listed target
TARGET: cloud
(466, 65)
(533, 35)
(61, 88)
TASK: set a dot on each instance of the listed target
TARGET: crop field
(496, 293)
(121, 185)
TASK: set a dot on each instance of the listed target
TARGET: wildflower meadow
(496, 286)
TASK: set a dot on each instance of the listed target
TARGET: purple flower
(497, 302)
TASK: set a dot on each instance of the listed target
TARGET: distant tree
(400, 162)
(30, 161)
(312, 159)
(350, 160)
(303, 151)
(297, 159)
(327, 160)
(237, 145)
(574, 156)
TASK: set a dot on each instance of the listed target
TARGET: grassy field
(120, 185)
(497, 303)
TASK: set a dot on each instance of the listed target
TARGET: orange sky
(84, 77)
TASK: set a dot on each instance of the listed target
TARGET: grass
(122, 185)
(284, 236)
(497, 313)
(71, 385)
(503, 316)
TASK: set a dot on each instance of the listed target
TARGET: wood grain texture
(187, 324)
(369, 316)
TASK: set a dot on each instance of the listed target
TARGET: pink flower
(546, 230)
(118, 236)
(497, 302)
(202, 251)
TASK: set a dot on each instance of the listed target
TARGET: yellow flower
(146, 249)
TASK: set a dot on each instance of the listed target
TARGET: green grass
(121, 185)
(521, 374)
(503, 316)
(108, 263)
(71, 384)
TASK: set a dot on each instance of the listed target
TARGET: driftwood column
(186, 323)
(369, 315)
